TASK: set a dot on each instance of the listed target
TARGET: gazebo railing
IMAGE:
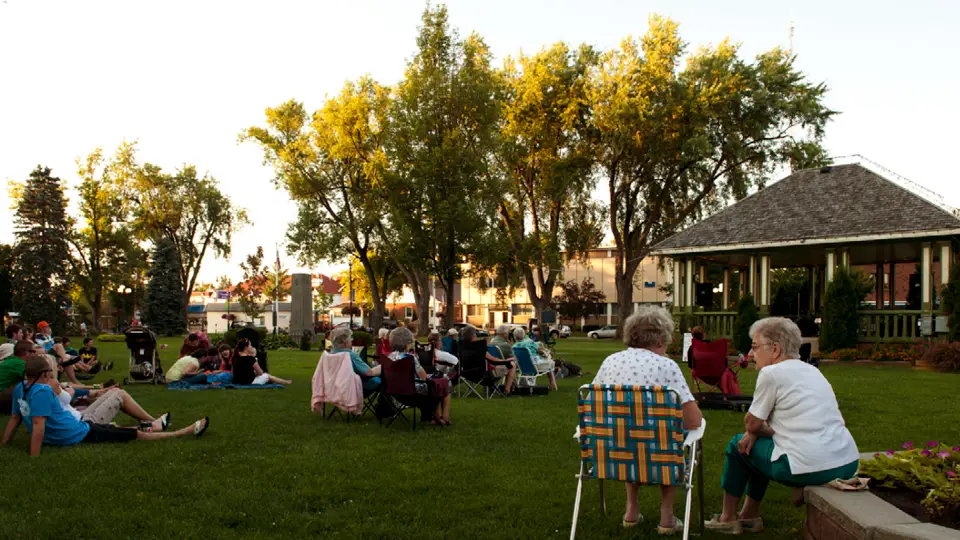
(716, 324)
(889, 326)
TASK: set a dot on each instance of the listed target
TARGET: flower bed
(922, 481)
(879, 353)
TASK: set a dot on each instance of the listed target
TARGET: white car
(560, 331)
(608, 331)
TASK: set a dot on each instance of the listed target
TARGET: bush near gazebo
(841, 322)
(950, 300)
(747, 314)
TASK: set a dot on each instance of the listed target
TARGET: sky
(184, 78)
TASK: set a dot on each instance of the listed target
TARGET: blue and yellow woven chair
(635, 434)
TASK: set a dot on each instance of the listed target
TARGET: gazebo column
(812, 282)
(845, 259)
(893, 285)
(702, 272)
(878, 286)
(688, 287)
(741, 282)
(753, 278)
(946, 260)
(764, 283)
(926, 264)
(725, 299)
(677, 285)
(831, 265)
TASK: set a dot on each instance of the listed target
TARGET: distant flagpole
(276, 290)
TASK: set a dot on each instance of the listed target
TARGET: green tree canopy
(251, 292)
(163, 311)
(577, 300)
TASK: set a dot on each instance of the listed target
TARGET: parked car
(608, 331)
(559, 331)
(481, 333)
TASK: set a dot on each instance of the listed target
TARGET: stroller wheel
(126, 381)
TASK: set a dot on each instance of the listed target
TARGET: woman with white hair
(647, 333)
(794, 433)
(401, 341)
(538, 354)
(342, 339)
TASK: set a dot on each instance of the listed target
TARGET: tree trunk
(423, 306)
(376, 316)
(448, 285)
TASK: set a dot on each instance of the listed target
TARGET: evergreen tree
(841, 322)
(746, 315)
(163, 310)
(41, 276)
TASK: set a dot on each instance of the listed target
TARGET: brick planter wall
(844, 515)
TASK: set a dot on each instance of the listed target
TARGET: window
(408, 312)
(473, 310)
(520, 310)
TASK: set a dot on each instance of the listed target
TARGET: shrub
(362, 339)
(880, 353)
(944, 356)
(950, 300)
(746, 315)
(277, 341)
(841, 322)
(305, 342)
(111, 338)
(932, 471)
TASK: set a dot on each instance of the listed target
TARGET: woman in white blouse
(794, 434)
(647, 334)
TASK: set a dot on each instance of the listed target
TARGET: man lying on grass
(48, 422)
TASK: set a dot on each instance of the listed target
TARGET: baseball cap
(36, 365)
(42, 324)
(6, 350)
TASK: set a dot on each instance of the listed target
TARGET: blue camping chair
(494, 390)
(635, 434)
(528, 370)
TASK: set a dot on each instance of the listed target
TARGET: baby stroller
(144, 357)
(253, 336)
(708, 365)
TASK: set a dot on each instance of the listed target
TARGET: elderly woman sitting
(647, 334)
(401, 341)
(538, 354)
(794, 433)
(342, 339)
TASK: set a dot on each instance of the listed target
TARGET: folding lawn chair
(708, 365)
(328, 387)
(425, 356)
(370, 397)
(528, 371)
(635, 434)
(473, 370)
(398, 389)
(494, 389)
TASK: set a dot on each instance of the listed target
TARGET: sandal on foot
(667, 531)
(753, 525)
(164, 421)
(198, 429)
(629, 524)
(723, 527)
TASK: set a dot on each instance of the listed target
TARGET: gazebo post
(946, 252)
(878, 285)
(688, 287)
(831, 265)
(812, 272)
(677, 284)
(702, 272)
(741, 283)
(725, 299)
(753, 278)
(845, 259)
(926, 253)
(893, 285)
(764, 284)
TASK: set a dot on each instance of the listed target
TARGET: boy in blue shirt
(49, 422)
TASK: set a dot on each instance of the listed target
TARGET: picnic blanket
(184, 385)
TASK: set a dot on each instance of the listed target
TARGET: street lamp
(124, 293)
(350, 279)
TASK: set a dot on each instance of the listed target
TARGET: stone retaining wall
(844, 515)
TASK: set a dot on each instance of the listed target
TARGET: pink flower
(908, 445)
(956, 449)
(943, 454)
(951, 474)
(877, 454)
(889, 452)
(926, 453)
(931, 444)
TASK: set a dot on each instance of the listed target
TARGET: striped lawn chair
(635, 434)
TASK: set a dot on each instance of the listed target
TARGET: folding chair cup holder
(635, 434)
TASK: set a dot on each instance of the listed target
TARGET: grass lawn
(268, 467)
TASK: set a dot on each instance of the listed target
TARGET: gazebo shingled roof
(836, 202)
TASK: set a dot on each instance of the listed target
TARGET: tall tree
(675, 144)
(278, 284)
(101, 238)
(442, 136)
(41, 276)
(251, 292)
(6, 278)
(386, 275)
(331, 164)
(546, 206)
(188, 210)
(163, 311)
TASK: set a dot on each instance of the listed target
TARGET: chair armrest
(696, 434)
(500, 362)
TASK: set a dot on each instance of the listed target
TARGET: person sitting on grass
(538, 354)
(342, 339)
(647, 333)
(225, 357)
(795, 434)
(11, 371)
(48, 422)
(44, 336)
(190, 369)
(71, 357)
(247, 371)
(190, 345)
(29, 333)
(506, 361)
(401, 341)
(88, 356)
(105, 404)
(14, 333)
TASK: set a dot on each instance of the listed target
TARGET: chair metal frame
(692, 453)
(398, 406)
(494, 389)
(526, 368)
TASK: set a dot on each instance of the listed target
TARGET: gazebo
(819, 220)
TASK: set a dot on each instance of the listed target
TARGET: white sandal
(200, 426)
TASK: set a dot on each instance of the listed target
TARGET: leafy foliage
(841, 323)
(932, 471)
(251, 291)
(6, 278)
(950, 301)
(277, 341)
(164, 311)
(786, 285)
(577, 300)
(747, 314)
(880, 353)
(111, 338)
(41, 273)
(945, 356)
(386, 275)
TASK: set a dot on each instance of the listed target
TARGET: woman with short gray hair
(342, 340)
(401, 341)
(646, 334)
(794, 433)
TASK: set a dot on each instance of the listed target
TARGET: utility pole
(276, 290)
(350, 279)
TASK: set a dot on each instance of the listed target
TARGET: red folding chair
(708, 365)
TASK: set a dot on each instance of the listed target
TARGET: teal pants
(752, 474)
